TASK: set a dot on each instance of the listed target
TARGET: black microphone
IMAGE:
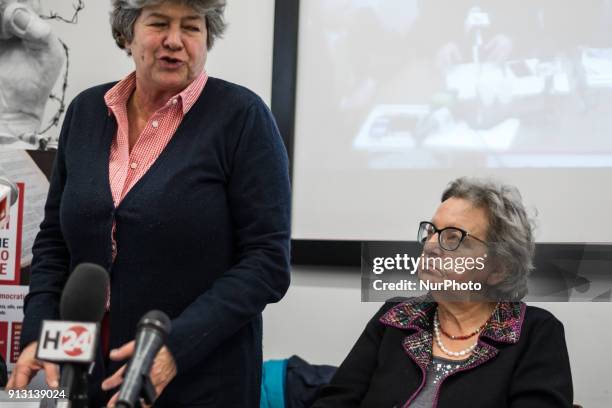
(151, 334)
(85, 294)
(72, 341)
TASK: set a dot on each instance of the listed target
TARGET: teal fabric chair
(273, 384)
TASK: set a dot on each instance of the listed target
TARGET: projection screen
(395, 98)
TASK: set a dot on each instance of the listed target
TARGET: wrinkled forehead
(461, 213)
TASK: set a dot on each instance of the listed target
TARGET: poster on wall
(34, 71)
(23, 190)
(11, 292)
(35, 62)
(11, 315)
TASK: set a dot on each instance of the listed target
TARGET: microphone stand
(74, 383)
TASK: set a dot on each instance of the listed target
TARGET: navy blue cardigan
(203, 236)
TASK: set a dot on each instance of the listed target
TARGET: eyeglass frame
(464, 235)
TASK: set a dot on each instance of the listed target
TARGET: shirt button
(155, 124)
(174, 101)
(134, 165)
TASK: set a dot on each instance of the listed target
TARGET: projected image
(447, 84)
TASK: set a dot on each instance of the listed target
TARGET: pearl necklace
(446, 351)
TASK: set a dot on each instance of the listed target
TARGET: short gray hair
(125, 12)
(510, 231)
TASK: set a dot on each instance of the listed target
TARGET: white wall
(244, 56)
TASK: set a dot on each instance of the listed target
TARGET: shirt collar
(190, 95)
(417, 313)
(121, 92)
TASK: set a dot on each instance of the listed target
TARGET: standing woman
(178, 184)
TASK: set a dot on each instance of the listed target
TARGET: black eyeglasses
(449, 238)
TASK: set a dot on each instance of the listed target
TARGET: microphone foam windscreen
(157, 320)
(84, 296)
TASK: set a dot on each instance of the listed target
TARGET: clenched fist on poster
(31, 59)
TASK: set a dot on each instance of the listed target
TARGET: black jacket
(521, 361)
(203, 236)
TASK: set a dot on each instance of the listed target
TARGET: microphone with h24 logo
(72, 341)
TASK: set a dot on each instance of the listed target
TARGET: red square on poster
(3, 339)
(15, 338)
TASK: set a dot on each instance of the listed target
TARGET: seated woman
(463, 348)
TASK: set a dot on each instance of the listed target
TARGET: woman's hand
(27, 366)
(162, 371)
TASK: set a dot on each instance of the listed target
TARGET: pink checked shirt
(125, 168)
